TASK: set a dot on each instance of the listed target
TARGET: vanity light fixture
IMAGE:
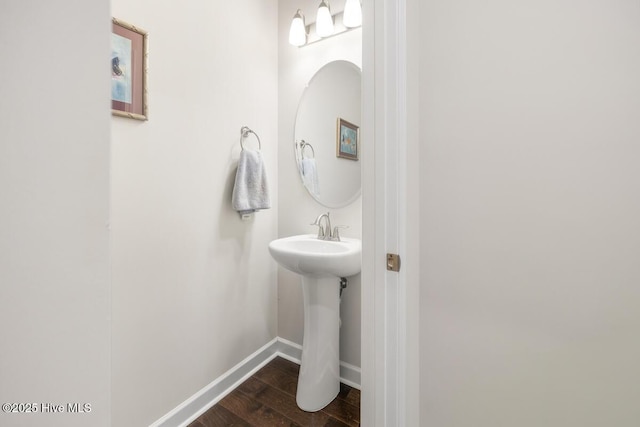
(326, 25)
(352, 17)
(324, 20)
(298, 30)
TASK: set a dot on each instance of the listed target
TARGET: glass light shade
(324, 20)
(298, 31)
(352, 14)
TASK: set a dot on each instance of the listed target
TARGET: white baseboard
(199, 403)
(196, 405)
(350, 375)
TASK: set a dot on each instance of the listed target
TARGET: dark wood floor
(268, 398)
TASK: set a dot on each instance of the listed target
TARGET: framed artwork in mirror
(128, 70)
(347, 140)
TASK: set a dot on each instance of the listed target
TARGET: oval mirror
(327, 137)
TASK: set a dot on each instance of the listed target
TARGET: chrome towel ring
(303, 145)
(244, 132)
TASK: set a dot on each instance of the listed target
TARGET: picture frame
(347, 140)
(129, 57)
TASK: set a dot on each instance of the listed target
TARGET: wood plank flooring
(268, 399)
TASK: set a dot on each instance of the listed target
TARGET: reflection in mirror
(327, 138)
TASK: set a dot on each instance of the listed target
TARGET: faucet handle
(335, 235)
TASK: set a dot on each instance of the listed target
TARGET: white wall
(194, 287)
(530, 213)
(54, 187)
(297, 209)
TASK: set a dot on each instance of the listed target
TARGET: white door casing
(390, 374)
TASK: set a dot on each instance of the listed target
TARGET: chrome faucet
(324, 231)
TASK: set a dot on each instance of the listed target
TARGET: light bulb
(352, 14)
(324, 21)
(298, 31)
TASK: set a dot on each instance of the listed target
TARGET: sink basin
(320, 263)
(307, 255)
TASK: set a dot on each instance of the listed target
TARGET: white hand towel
(310, 176)
(250, 191)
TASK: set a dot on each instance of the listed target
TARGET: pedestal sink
(320, 263)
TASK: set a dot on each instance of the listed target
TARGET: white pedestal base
(319, 379)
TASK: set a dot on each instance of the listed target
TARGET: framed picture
(347, 140)
(128, 71)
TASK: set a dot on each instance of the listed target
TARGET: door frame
(390, 205)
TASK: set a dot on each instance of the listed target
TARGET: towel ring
(244, 132)
(303, 145)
